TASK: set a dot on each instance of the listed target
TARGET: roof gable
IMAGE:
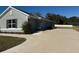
(14, 9)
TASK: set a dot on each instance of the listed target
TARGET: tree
(58, 19)
(65, 20)
(52, 17)
(74, 20)
(37, 14)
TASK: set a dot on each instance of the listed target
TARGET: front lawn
(76, 28)
(64, 27)
(7, 42)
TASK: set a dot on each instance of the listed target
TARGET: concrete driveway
(57, 40)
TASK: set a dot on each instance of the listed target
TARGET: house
(12, 19)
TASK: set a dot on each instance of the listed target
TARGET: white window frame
(11, 23)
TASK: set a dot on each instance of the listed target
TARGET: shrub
(34, 24)
(45, 25)
(27, 28)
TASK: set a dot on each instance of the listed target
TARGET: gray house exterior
(12, 19)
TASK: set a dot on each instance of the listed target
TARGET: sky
(67, 11)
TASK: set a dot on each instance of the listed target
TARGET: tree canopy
(60, 19)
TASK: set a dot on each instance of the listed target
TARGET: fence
(63, 25)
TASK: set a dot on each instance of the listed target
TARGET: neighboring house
(12, 19)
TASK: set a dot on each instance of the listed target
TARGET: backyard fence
(63, 25)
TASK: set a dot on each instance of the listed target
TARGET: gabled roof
(25, 13)
(10, 7)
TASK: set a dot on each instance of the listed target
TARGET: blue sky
(67, 11)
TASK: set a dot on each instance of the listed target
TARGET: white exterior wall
(21, 18)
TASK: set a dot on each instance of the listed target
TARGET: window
(12, 23)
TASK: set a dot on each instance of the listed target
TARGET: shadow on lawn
(7, 42)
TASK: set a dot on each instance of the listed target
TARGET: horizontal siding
(21, 18)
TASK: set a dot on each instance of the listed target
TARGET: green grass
(64, 27)
(7, 42)
(76, 28)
